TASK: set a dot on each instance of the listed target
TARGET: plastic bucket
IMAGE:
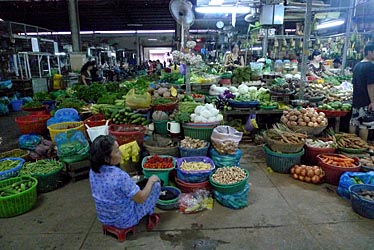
(161, 127)
(16, 105)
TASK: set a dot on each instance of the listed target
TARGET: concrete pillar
(74, 25)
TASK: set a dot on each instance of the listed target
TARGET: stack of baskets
(280, 157)
(187, 152)
(201, 131)
(189, 180)
(158, 145)
(64, 127)
(32, 124)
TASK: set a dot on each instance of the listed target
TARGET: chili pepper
(157, 162)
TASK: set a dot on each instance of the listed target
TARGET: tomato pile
(157, 162)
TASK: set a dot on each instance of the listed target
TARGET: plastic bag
(225, 139)
(29, 141)
(225, 160)
(71, 143)
(348, 179)
(251, 123)
(234, 201)
(94, 132)
(136, 101)
(199, 200)
(4, 110)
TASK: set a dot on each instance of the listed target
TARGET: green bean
(8, 164)
(40, 167)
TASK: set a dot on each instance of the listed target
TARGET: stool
(119, 232)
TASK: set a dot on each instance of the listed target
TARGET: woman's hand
(154, 178)
(371, 107)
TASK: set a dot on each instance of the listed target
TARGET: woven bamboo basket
(311, 131)
(283, 147)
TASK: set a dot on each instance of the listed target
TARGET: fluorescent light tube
(330, 24)
(223, 9)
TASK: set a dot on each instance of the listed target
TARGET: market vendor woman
(316, 67)
(119, 201)
(234, 60)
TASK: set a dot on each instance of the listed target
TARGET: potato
(313, 119)
(293, 118)
(302, 123)
(306, 119)
(310, 124)
(293, 123)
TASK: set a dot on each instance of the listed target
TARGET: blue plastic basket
(66, 112)
(11, 172)
(194, 176)
(360, 205)
(187, 152)
(281, 163)
(236, 104)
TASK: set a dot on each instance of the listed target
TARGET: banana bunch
(126, 116)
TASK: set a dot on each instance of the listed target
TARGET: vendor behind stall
(234, 60)
(86, 77)
(316, 67)
(119, 200)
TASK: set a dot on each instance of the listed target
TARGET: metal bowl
(300, 103)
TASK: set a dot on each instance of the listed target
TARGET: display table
(239, 112)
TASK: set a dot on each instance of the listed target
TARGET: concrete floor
(282, 214)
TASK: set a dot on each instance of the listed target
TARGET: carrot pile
(338, 160)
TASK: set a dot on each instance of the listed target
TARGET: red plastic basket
(126, 133)
(190, 187)
(167, 107)
(95, 120)
(310, 156)
(333, 113)
(32, 124)
(333, 172)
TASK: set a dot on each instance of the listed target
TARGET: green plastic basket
(163, 174)
(49, 182)
(198, 132)
(19, 203)
(280, 162)
(230, 188)
(161, 127)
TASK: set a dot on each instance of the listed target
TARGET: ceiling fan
(182, 12)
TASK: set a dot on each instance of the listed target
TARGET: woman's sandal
(153, 220)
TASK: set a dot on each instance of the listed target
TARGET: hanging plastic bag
(225, 139)
(251, 123)
(29, 141)
(225, 160)
(199, 200)
(136, 101)
(94, 132)
(348, 179)
(71, 143)
(234, 201)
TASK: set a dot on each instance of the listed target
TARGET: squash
(160, 116)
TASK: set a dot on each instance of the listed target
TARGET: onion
(313, 119)
(318, 172)
(308, 179)
(293, 170)
(303, 166)
(316, 179)
(321, 114)
(297, 170)
(303, 111)
(306, 119)
(310, 124)
(295, 176)
(301, 178)
(310, 173)
(315, 167)
(303, 172)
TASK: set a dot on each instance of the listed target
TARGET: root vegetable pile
(305, 117)
(320, 144)
(226, 147)
(283, 134)
(191, 143)
(350, 141)
(195, 166)
(229, 175)
(157, 162)
(309, 174)
(338, 160)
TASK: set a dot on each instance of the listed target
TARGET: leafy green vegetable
(241, 75)
(70, 103)
(182, 117)
(33, 104)
(42, 96)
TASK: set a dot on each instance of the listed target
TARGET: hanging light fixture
(330, 24)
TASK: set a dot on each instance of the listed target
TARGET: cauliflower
(209, 106)
(198, 110)
(206, 114)
(193, 116)
(219, 117)
(243, 89)
(233, 89)
(199, 118)
(212, 119)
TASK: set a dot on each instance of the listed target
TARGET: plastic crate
(360, 205)
(186, 152)
(95, 120)
(11, 172)
(126, 133)
(19, 203)
(194, 176)
(281, 163)
(36, 124)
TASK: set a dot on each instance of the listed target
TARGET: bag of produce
(71, 143)
(234, 201)
(225, 139)
(29, 141)
(225, 160)
(349, 178)
(138, 101)
(199, 200)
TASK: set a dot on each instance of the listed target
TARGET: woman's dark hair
(337, 60)
(315, 53)
(100, 151)
(235, 44)
(369, 47)
(86, 65)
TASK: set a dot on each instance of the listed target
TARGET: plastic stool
(119, 232)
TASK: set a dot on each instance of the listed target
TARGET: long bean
(40, 167)
(8, 164)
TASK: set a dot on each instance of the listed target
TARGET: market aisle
(282, 214)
